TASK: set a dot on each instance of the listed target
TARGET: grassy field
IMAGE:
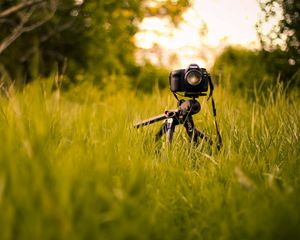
(72, 167)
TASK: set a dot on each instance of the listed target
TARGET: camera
(192, 81)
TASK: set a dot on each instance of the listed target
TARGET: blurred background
(76, 74)
(134, 44)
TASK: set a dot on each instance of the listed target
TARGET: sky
(207, 27)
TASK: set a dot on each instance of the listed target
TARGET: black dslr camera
(193, 81)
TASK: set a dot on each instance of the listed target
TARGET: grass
(72, 167)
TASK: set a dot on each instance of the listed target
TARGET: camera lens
(194, 78)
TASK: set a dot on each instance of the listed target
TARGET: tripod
(183, 115)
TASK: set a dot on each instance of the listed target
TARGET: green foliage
(172, 9)
(72, 167)
(91, 38)
(248, 70)
(150, 77)
(287, 30)
(37, 52)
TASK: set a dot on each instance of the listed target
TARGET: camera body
(192, 81)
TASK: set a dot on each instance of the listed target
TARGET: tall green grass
(72, 167)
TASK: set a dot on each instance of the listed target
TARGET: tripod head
(185, 108)
(182, 115)
(190, 107)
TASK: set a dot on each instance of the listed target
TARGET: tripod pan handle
(150, 120)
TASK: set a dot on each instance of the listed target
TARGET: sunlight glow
(207, 27)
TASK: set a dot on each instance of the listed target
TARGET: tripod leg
(193, 133)
(169, 129)
(203, 136)
(161, 131)
(190, 129)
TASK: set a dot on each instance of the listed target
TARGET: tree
(251, 72)
(38, 36)
(22, 22)
(284, 35)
